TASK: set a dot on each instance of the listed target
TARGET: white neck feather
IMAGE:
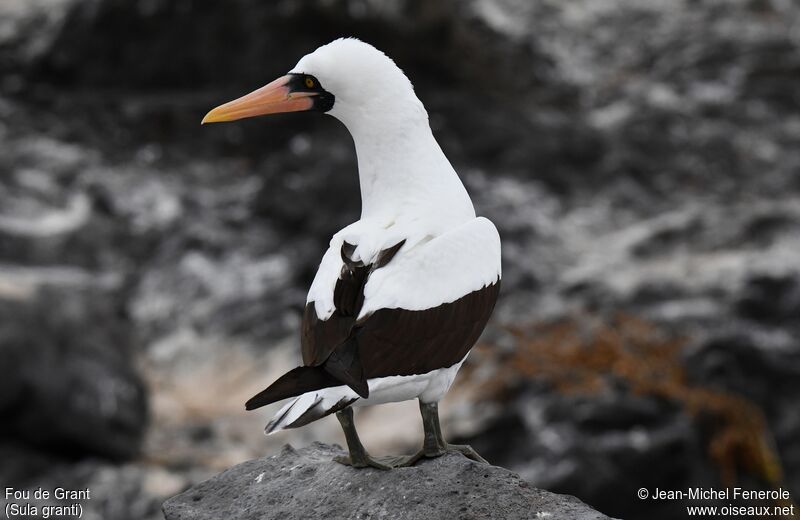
(404, 174)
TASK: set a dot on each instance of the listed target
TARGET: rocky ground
(639, 159)
(308, 484)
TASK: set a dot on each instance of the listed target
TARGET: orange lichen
(587, 356)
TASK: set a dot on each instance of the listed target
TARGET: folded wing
(408, 312)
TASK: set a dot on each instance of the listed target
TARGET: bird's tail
(291, 384)
(316, 394)
(311, 406)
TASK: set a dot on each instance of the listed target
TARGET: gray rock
(308, 484)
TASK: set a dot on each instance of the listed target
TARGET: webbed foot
(410, 460)
(467, 451)
(361, 461)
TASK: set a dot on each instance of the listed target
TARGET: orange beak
(273, 98)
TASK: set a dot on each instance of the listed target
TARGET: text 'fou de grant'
(699, 493)
(58, 493)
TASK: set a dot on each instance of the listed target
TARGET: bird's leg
(434, 444)
(358, 458)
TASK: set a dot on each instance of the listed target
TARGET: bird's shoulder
(439, 269)
(432, 266)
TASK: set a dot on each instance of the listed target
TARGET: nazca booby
(402, 294)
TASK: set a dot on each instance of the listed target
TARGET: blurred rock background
(641, 160)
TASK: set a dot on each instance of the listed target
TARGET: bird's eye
(309, 82)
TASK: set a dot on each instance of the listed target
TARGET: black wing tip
(291, 384)
(257, 401)
(361, 388)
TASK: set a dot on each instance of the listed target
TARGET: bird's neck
(404, 174)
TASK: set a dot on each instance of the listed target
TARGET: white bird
(401, 295)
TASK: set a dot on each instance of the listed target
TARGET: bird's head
(347, 78)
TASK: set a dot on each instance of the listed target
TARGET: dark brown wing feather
(294, 382)
(320, 337)
(399, 342)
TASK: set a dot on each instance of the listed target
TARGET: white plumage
(409, 191)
